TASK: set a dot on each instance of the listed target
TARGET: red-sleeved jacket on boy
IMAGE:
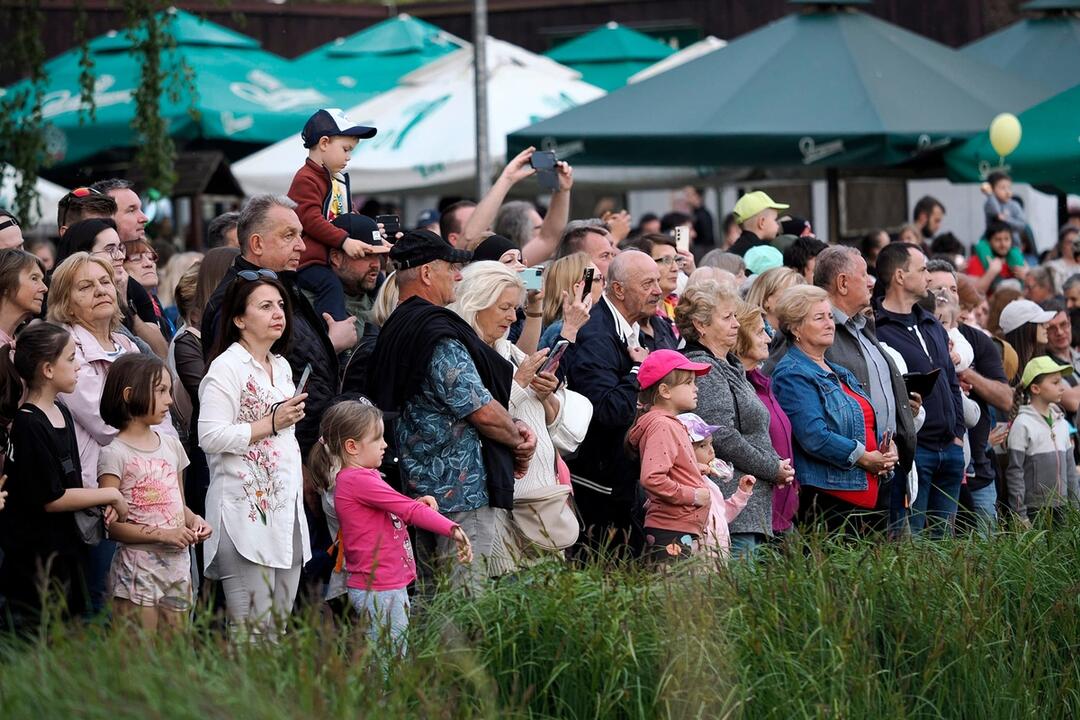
(310, 190)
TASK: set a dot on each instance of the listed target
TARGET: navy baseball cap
(428, 217)
(360, 227)
(331, 122)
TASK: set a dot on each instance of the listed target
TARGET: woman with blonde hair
(766, 290)
(707, 319)
(565, 311)
(83, 299)
(487, 298)
(752, 349)
(837, 457)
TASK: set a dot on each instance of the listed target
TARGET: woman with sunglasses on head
(249, 408)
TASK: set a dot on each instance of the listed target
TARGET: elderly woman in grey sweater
(706, 318)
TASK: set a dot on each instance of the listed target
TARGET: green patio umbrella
(1044, 47)
(246, 98)
(1048, 153)
(374, 59)
(825, 87)
(607, 56)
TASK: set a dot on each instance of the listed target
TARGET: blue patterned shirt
(439, 448)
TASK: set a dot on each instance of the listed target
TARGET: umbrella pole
(483, 164)
(832, 184)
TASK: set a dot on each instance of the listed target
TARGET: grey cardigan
(727, 399)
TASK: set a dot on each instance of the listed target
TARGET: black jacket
(944, 411)
(310, 344)
(746, 241)
(599, 367)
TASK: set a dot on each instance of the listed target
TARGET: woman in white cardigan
(488, 298)
(246, 427)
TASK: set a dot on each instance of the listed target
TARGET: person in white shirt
(248, 410)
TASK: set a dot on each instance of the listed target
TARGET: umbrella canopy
(819, 88)
(1044, 47)
(426, 124)
(1048, 153)
(245, 96)
(49, 195)
(688, 53)
(374, 59)
(607, 56)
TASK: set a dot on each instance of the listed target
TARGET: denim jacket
(826, 423)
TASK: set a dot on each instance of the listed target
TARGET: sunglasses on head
(79, 192)
(253, 275)
(7, 222)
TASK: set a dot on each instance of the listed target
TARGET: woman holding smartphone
(487, 297)
(248, 412)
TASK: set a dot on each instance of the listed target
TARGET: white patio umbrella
(49, 195)
(688, 53)
(425, 138)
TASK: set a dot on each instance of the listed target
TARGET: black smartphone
(302, 385)
(543, 161)
(555, 356)
(391, 224)
(587, 278)
(886, 441)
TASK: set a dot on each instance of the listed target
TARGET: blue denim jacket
(826, 423)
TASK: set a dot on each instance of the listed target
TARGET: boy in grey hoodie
(1041, 477)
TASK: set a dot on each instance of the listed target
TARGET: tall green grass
(832, 629)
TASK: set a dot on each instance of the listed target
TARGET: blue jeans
(386, 613)
(321, 281)
(984, 507)
(97, 574)
(744, 546)
(940, 474)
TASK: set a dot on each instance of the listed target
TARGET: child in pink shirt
(716, 540)
(374, 520)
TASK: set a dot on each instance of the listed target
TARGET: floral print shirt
(256, 489)
(439, 448)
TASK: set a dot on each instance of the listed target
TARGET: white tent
(426, 124)
(688, 53)
(49, 195)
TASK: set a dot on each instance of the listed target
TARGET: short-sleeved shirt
(149, 480)
(440, 449)
(42, 463)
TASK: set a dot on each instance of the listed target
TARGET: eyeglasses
(142, 257)
(113, 250)
(79, 192)
(253, 275)
(670, 259)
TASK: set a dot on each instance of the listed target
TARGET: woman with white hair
(487, 298)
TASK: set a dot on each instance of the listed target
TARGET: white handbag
(572, 423)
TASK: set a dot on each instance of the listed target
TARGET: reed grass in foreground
(958, 629)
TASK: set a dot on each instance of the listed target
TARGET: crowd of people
(516, 386)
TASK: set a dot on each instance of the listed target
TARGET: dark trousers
(325, 285)
(836, 516)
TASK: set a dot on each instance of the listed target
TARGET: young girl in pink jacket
(374, 520)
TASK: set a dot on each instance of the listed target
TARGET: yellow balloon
(1005, 133)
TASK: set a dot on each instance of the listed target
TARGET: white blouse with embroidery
(256, 489)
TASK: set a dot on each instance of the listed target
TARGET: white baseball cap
(1020, 312)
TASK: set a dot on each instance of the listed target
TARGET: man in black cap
(360, 276)
(455, 438)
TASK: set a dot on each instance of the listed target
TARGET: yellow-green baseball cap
(1042, 365)
(752, 203)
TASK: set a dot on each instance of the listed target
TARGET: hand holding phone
(556, 354)
(682, 239)
(587, 278)
(534, 278)
(301, 386)
(886, 441)
(543, 161)
(391, 224)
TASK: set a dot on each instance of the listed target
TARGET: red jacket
(669, 473)
(310, 190)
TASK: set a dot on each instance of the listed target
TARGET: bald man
(622, 330)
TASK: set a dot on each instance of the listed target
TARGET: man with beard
(360, 276)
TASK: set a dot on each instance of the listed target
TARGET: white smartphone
(682, 239)
(533, 277)
(302, 385)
